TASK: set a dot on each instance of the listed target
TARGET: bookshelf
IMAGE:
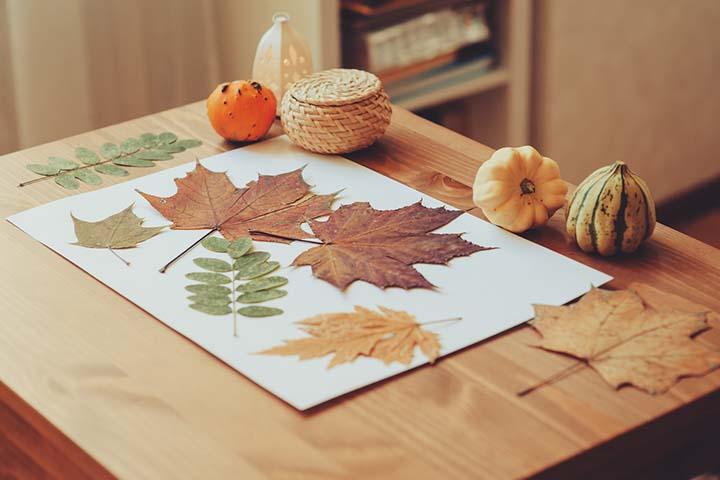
(485, 99)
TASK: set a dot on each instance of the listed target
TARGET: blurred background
(587, 82)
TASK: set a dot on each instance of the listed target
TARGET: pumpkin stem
(527, 186)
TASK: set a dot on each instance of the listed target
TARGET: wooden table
(95, 387)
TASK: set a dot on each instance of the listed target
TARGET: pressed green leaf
(251, 258)
(41, 169)
(213, 264)
(167, 137)
(208, 277)
(216, 244)
(171, 148)
(131, 145)
(153, 155)
(205, 289)
(210, 299)
(148, 140)
(133, 161)
(265, 283)
(88, 176)
(67, 181)
(121, 230)
(239, 247)
(188, 143)
(257, 270)
(211, 309)
(62, 163)
(258, 311)
(261, 296)
(110, 169)
(86, 156)
(109, 151)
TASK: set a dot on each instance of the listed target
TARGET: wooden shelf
(448, 89)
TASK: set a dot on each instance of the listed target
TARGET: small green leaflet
(131, 145)
(215, 289)
(261, 296)
(213, 264)
(259, 311)
(109, 151)
(121, 230)
(86, 156)
(110, 169)
(265, 283)
(256, 270)
(62, 164)
(140, 152)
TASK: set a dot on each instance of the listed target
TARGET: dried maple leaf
(627, 341)
(274, 204)
(388, 335)
(380, 246)
(121, 230)
(269, 209)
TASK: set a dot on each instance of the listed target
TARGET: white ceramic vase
(282, 57)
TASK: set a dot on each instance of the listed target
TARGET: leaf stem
(180, 255)
(260, 232)
(232, 296)
(118, 256)
(566, 372)
(444, 320)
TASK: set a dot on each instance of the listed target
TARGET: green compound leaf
(171, 148)
(261, 296)
(133, 161)
(86, 156)
(216, 244)
(110, 169)
(88, 176)
(167, 137)
(211, 309)
(257, 270)
(257, 311)
(208, 277)
(251, 259)
(213, 264)
(67, 181)
(265, 283)
(205, 289)
(188, 143)
(153, 155)
(148, 140)
(131, 145)
(41, 169)
(62, 163)
(109, 151)
(239, 247)
(210, 299)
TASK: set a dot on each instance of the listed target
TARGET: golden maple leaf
(626, 340)
(388, 335)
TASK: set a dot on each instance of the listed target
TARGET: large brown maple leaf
(274, 204)
(626, 340)
(380, 246)
(388, 335)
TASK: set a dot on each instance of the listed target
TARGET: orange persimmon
(242, 110)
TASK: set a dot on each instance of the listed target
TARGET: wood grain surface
(134, 399)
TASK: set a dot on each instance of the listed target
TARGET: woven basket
(335, 111)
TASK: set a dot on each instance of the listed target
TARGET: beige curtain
(74, 65)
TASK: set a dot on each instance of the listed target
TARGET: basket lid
(338, 86)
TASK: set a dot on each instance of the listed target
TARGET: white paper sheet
(491, 290)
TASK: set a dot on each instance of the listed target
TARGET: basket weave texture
(336, 111)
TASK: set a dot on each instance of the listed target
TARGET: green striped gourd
(611, 211)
